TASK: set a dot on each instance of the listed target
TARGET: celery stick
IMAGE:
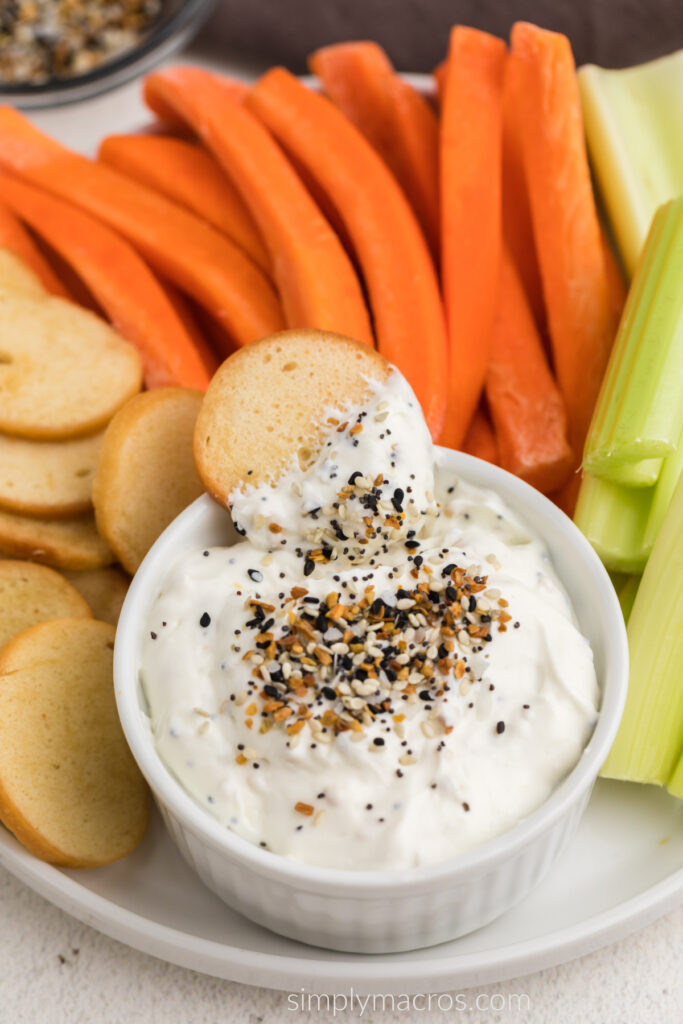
(650, 738)
(633, 123)
(613, 518)
(639, 412)
(633, 474)
(675, 783)
(627, 595)
(663, 493)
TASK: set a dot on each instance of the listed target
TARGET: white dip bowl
(381, 911)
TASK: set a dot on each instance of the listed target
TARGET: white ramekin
(381, 911)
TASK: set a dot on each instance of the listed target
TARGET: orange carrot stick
(480, 439)
(15, 238)
(518, 229)
(360, 80)
(317, 282)
(471, 233)
(566, 227)
(120, 281)
(196, 257)
(399, 272)
(189, 175)
(232, 89)
(201, 339)
(439, 76)
(526, 407)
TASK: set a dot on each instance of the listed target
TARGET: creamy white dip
(427, 685)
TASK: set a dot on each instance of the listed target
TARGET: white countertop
(58, 971)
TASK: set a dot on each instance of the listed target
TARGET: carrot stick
(518, 229)
(567, 496)
(398, 122)
(196, 257)
(120, 281)
(189, 175)
(399, 272)
(566, 228)
(316, 279)
(233, 91)
(526, 406)
(189, 318)
(14, 237)
(471, 233)
(439, 76)
(480, 439)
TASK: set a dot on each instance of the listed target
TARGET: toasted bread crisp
(16, 280)
(262, 406)
(63, 371)
(146, 474)
(103, 589)
(70, 790)
(62, 543)
(48, 478)
(31, 593)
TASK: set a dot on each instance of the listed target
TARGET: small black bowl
(179, 21)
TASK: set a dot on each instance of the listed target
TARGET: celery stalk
(633, 474)
(613, 518)
(675, 783)
(633, 123)
(639, 412)
(650, 738)
(672, 468)
(627, 595)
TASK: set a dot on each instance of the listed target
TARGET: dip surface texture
(385, 672)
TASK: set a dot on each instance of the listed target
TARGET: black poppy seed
(516, 625)
(465, 806)
(206, 554)
(418, 560)
(500, 727)
(240, 746)
(153, 636)
(205, 620)
(328, 692)
(368, 807)
(425, 695)
(309, 566)
(378, 741)
(526, 706)
(262, 844)
(321, 796)
(399, 773)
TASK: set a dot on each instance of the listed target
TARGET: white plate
(623, 870)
